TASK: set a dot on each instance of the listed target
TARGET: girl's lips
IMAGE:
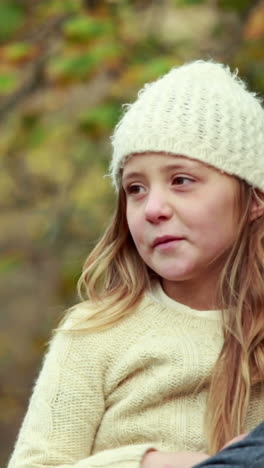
(165, 240)
(164, 246)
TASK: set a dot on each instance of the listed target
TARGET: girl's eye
(134, 189)
(181, 180)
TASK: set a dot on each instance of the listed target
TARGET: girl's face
(181, 214)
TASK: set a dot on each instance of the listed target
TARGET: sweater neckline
(157, 294)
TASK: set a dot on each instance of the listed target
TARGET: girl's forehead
(140, 159)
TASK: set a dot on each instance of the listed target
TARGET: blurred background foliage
(66, 66)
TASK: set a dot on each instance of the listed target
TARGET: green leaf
(148, 70)
(70, 6)
(82, 28)
(37, 135)
(17, 50)
(188, 2)
(237, 5)
(12, 17)
(106, 50)
(101, 118)
(157, 67)
(55, 7)
(78, 66)
(10, 262)
(8, 82)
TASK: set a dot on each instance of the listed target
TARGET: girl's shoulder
(95, 326)
(153, 310)
(81, 333)
(93, 317)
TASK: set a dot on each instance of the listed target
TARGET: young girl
(163, 365)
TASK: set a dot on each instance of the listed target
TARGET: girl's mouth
(166, 241)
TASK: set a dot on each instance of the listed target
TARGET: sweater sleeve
(66, 409)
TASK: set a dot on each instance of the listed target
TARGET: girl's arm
(66, 409)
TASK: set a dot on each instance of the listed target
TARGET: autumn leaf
(254, 27)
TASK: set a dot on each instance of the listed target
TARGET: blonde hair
(241, 296)
(115, 277)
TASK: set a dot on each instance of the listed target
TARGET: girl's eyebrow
(164, 169)
(131, 175)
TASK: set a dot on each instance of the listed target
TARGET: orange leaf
(254, 28)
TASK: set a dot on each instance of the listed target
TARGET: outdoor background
(66, 66)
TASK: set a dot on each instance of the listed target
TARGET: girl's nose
(157, 208)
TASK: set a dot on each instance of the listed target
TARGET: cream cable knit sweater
(104, 399)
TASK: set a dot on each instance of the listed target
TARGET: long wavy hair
(115, 277)
(241, 296)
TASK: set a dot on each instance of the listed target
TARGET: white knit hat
(199, 110)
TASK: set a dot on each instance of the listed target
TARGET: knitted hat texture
(200, 110)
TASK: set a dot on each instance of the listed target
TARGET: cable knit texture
(199, 110)
(103, 399)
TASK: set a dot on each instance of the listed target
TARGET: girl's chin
(175, 278)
